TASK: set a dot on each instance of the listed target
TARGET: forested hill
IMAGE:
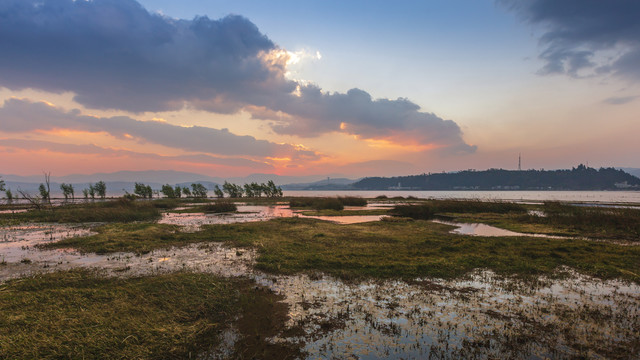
(580, 178)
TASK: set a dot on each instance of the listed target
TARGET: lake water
(627, 197)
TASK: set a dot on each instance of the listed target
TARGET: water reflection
(483, 316)
(478, 229)
(249, 213)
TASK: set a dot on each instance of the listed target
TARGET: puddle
(15, 241)
(245, 213)
(209, 258)
(477, 229)
(248, 213)
(19, 257)
(348, 219)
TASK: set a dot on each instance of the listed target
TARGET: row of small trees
(249, 190)
(232, 190)
(197, 190)
(98, 189)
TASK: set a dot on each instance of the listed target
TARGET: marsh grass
(386, 249)
(80, 314)
(618, 223)
(352, 201)
(119, 210)
(418, 249)
(327, 203)
(317, 203)
(137, 238)
(607, 223)
(220, 206)
(166, 204)
(428, 209)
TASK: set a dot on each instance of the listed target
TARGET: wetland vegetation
(296, 263)
(82, 314)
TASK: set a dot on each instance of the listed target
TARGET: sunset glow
(259, 97)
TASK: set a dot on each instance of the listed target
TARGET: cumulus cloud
(312, 112)
(586, 37)
(21, 116)
(90, 149)
(114, 54)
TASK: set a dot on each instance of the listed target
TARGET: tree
(2, 185)
(85, 193)
(218, 192)
(67, 191)
(45, 189)
(168, 191)
(92, 191)
(9, 196)
(272, 190)
(142, 190)
(101, 189)
(257, 189)
(248, 190)
(44, 194)
(234, 191)
(178, 191)
(186, 191)
(198, 190)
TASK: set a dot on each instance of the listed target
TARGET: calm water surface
(571, 196)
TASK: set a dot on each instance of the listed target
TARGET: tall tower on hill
(520, 162)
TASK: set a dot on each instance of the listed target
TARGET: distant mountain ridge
(326, 184)
(163, 177)
(124, 181)
(580, 178)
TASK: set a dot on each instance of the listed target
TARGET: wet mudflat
(482, 314)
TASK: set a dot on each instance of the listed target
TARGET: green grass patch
(602, 222)
(417, 248)
(385, 249)
(352, 201)
(428, 209)
(316, 203)
(326, 203)
(79, 314)
(220, 206)
(119, 210)
(567, 220)
(136, 237)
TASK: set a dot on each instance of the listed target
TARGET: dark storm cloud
(24, 116)
(578, 32)
(113, 54)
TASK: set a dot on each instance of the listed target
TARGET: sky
(341, 88)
